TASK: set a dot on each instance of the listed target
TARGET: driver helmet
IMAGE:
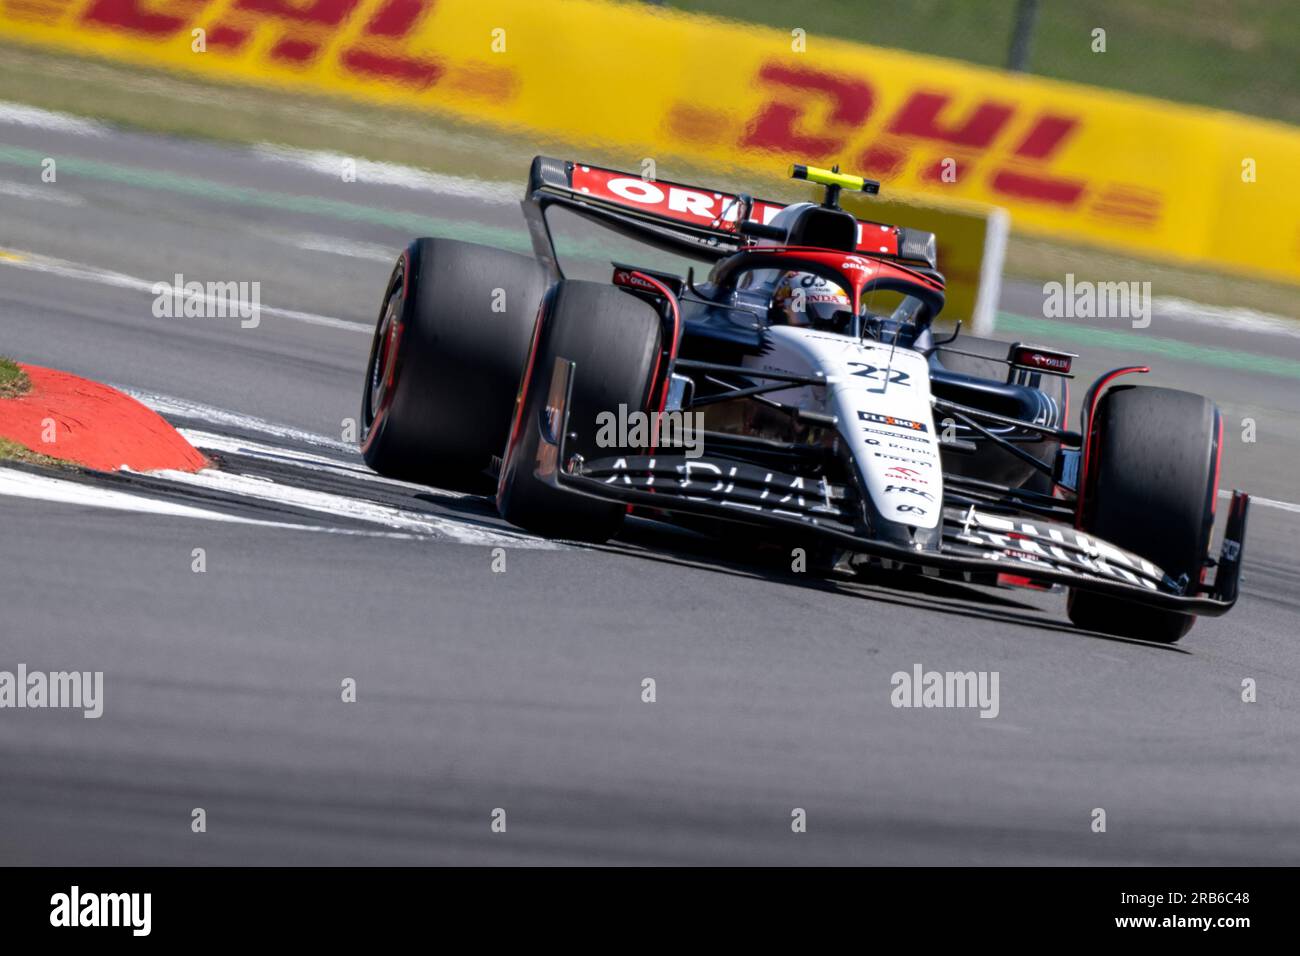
(808, 300)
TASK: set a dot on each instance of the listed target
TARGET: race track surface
(522, 690)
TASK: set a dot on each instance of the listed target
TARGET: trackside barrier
(1073, 162)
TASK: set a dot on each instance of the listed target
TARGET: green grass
(1241, 55)
(13, 380)
(12, 451)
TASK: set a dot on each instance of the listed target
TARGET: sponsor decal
(1065, 159)
(881, 431)
(908, 489)
(1065, 548)
(890, 420)
(905, 460)
(382, 43)
(905, 474)
(1044, 359)
(706, 208)
(734, 485)
(630, 279)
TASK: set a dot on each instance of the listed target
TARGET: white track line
(397, 523)
(395, 519)
(118, 280)
(336, 165)
(1248, 320)
(22, 484)
(18, 115)
(209, 441)
(169, 406)
(40, 194)
(333, 165)
(263, 489)
(335, 246)
(1265, 502)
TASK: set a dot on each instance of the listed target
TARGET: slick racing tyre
(614, 339)
(448, 350)
(1152, 487)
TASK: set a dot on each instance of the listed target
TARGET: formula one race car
(778, 394)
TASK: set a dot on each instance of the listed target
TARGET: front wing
(974, 542)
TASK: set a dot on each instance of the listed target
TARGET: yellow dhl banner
(1068, 161)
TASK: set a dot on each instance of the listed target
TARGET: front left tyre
(613, 339)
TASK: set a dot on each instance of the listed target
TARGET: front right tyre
(1151, 490)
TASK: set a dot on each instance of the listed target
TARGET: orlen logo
(906, 474)
(701, 207)
(1046, 361)
(625, 277)
(854, 264)
(705, 207)
(1035, 358)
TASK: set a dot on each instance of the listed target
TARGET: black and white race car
(780, 394)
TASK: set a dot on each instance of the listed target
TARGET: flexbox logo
(1098, 300)
(82, 690)
(946, 689)
(75, 908)
(211, 300)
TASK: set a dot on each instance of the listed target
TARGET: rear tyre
(614, 339)
(445, 361)
(1156, 472)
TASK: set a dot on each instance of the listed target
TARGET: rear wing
(686, 220)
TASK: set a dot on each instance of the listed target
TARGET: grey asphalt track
(522, 690)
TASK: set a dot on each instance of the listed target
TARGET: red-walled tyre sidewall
(614, 339)
(1151, 490)
(453, 349)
